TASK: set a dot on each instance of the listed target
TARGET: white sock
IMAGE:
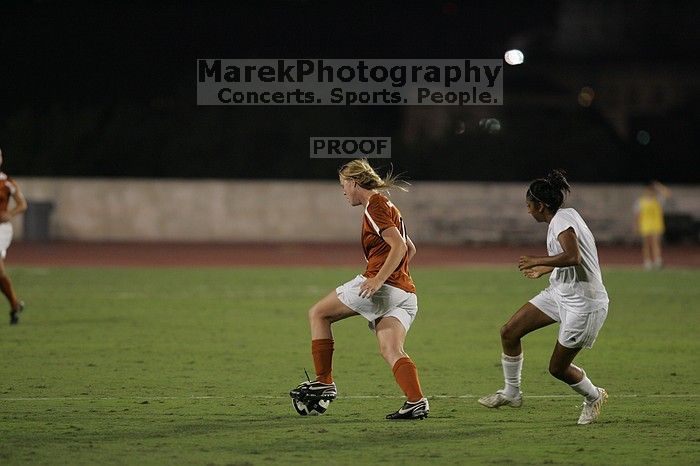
(512, 367)
(586, 388)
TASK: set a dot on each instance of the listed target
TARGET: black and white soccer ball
(310, 407)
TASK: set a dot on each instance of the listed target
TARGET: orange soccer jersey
(381, 214)
(7, 189)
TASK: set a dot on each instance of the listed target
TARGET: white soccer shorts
(5, 238)
(576, 329)
(388, 301)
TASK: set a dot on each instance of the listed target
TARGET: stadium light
(514, 57)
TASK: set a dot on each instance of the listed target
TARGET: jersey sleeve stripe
(372, 222)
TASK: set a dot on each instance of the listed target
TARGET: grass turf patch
(162, 366)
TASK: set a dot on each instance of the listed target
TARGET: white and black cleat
(307, 391)
(412, 410)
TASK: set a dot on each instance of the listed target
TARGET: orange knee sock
(322, 351)
(406, 376)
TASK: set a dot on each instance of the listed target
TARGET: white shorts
(387, 301)
(576, 329)
(5, 238)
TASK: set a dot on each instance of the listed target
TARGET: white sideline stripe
(279, 397)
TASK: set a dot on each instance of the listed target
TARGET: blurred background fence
(316, 211)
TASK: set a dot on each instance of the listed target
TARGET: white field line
(281, 397)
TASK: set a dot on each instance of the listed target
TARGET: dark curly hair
(549, 191)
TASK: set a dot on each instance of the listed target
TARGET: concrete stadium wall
(245, 210)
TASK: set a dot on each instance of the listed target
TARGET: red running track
(122, 254)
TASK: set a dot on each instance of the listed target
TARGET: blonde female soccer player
(650, 222)
(384, 294)
(576, 298)
(9, 190)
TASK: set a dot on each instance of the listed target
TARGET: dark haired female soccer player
(9, 190)
(384, 294)
(576, 298)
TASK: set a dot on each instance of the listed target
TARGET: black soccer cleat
(14, 313)
(307, 391)
(416, 410)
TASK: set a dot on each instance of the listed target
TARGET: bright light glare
(514, 57)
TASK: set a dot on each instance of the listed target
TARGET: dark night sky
(101, 48)
(73, 73)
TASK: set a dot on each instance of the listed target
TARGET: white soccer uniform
(576, 296)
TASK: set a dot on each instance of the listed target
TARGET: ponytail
(550, 191)
(360, 171)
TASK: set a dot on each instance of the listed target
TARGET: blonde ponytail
(360, 171)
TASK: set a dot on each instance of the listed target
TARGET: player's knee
(557, 370)
(508, 333)
(385, 350)
(318, 312)
(315, 312)
(390, 353)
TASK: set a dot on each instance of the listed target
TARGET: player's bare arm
(570, 256)
(411, 249)
(20, 206)
(398, 251)
(20, 202)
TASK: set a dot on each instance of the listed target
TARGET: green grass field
(193, 366)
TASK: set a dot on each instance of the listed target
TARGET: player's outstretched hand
(526, 262)
(535, 272)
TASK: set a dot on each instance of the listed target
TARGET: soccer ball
(311, 407)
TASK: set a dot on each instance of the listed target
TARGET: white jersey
(580, 287)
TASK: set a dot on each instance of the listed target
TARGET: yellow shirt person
(650, 216)
(650, 223)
